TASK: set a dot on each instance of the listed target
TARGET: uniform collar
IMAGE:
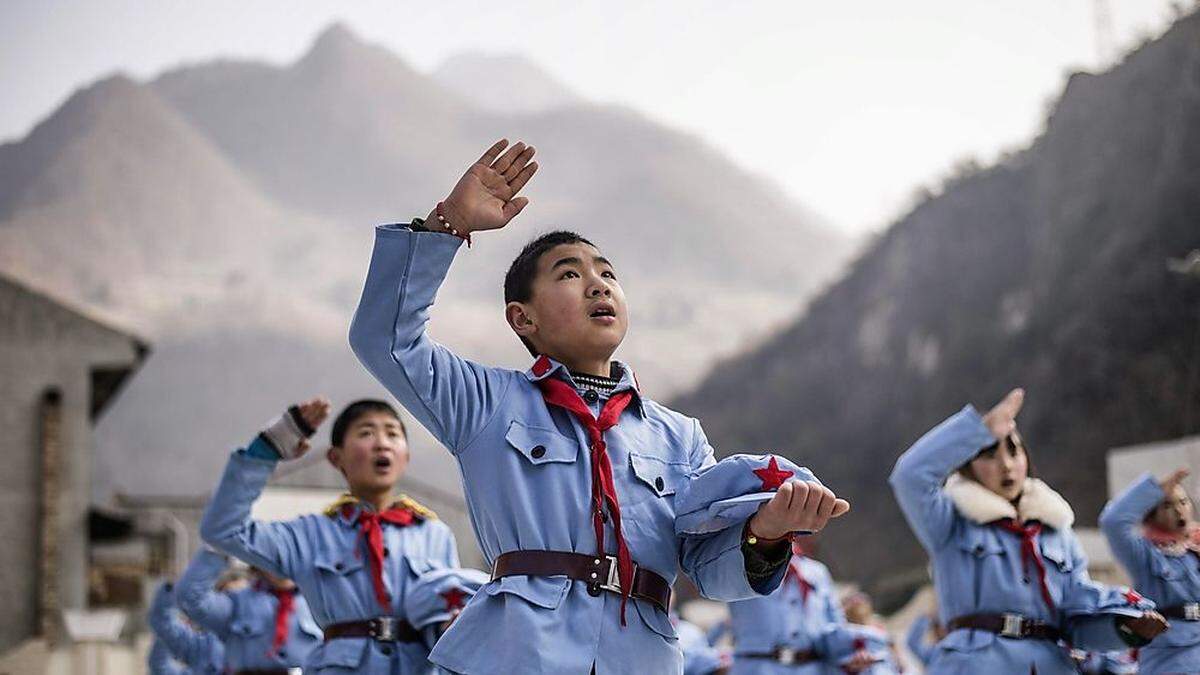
(347, 508)
(1038, 502)
(545, 366)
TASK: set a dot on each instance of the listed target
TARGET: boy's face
(577, 310)
(373, 454)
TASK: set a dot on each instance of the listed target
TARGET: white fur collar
(1038, 502)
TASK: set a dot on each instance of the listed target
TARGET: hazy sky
(848, 105)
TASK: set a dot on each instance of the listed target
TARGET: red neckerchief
(370, 524)
(1174, 543)
(1029, 551)
(795, 574)
(287, 601)
(604, 491)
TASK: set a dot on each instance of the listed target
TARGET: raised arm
(184, 643)
(227, 525)
(198, 599)
(920, 472)
(1121, 519)
(450, 396)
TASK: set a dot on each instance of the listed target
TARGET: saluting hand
(485, 198)
(1002, 419)
(314, 411)
(798, 505)
(1169, 483)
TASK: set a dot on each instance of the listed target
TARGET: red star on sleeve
(772, 476)
(1132, 597)
(454, 598)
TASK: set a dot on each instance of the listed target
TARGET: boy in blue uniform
(1151, 530)
(265, 627)
(569, 470)
(200, 651)
(354, 562)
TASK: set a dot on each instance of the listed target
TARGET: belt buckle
(786, 656)
(1013, 626)
(383, 628)
(1191, 611)
(613, 582)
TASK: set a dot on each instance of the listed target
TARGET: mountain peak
(504, 83)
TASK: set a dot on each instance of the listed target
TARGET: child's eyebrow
(570, 260)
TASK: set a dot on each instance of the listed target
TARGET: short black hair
(518, 281)
(357, 410)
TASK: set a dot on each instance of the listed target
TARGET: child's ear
(520, 319)
(334, 455)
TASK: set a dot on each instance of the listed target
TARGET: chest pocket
(1057, 554)
(980, 543)
(336, 576)
(539, 445)
(1163, 568)
(245, 629)
(659, 475)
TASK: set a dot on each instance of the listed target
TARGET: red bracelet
(441, 218)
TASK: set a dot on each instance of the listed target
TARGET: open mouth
(1007, 483)
(604, 312)
(383, 463)
(1181, 523)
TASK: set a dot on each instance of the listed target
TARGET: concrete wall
(1127, 463)
(43, 346)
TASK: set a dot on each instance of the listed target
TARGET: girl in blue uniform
(1151, 530)
(1011, 578)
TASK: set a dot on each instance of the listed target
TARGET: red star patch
(772, 476)
(1132, 596)
(454, 598)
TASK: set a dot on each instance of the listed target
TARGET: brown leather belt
(1008, 625)
(381, 628)
(783, 655)
(599, 573)
(1186, 612)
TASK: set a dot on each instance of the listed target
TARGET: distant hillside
(226, 210)
(1046, 271)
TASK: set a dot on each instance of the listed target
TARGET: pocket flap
(341, 653)
(980, 542)
(545, 592)
(339, 564)
(661, 476)
(540, 445)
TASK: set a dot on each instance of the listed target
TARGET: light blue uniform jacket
(245, 620)
(160, 662)
(787, 619)
(326, 557)
(1168, 580)
(977, 567)
(527, 479)
(200, 651)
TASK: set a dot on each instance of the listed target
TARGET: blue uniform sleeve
(715, 562)
(1121, 521)
(920, 472)
(185, 644)
(915, 639)
(198, 599)
(228, 527)
(450, 396)
(160, 662)
(1091, 609)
